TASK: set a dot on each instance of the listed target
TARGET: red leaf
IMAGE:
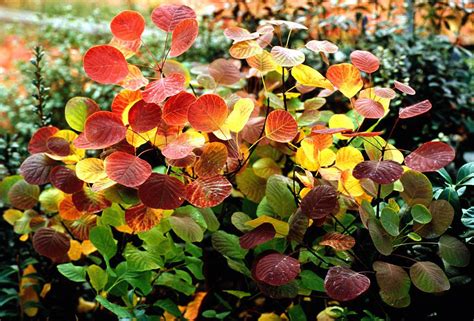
(404, 88)
(365, 61)
(208, 191)
(65, 179)
(338, 241)
(89, 201)
(381, 172)
(123, 99)
(105, 64)
(343, 284)
(208, 113)
(175, 110)
(257, 236)
(38, 141)
(184, 36)
(58, 146)
(51, 243)
(126, 169)
(103, 129)
(430, 157)
(162, 191)
(319, 202)
(276, 269)
(322, 46)
(182, 162)
(128, 25)
(362, 134)
(141, 218)
(167, 17)
(157, 91)
(281, 126)
(212, 160)
(415, 110)
(387, 93)
(143, 116)
(369, 108)
(239, 34)
(329, 131)
(36, 169)
(225, 72)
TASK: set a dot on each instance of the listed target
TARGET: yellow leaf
(346, 77)
(326, 157)
(370, 93)
(75, 250)
(27, 292)
(87, 247)
(341, 121)
(302, 159)
(269, 317)
(136, 140)
(263, 62)
(373, 148)
(348, 157)
(245, 49)
(12, 215)
(266, 167)
(90, 170)
(251, 185)
(349, 185)
(308, 76)
(281, 228)
(239, 116)
(330, 174)
(45, 290)
(192, 310)
(50, 199)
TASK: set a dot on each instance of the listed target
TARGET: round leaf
(23, 195)
(382, 172)
(346, 78)
(65, 179)
(162, 191)
(105, 64)
(103, 129)
(212, 160)
(442, 214)
(453, 251)
(365, 61)
(126, 169)
(208, 191)
(141, 218)
(77, 110)
(428, 277)
(36, 169)
(369, 108)
(51, 243)
(421, 214)
(175, 110)
(286, 57)
(320, 202)
(128, 25)
(167, 17)
(144, 117)
(343, 284)
(257, 236)
(225, 72)
(281, 126)
(430, 157)
(338, 241)
(276, 269)
(183, 37)
(208, 113)
(157, 91)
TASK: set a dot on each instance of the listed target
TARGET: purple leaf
(343, 284)
(259, 235)
(319, 202)
(381, 172)
(276, 269)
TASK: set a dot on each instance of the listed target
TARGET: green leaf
(116, 309)
(428, 277)
(183, 223)
(228, 245)
(264, 208)
(239, 266)
(442, 214)
(77, 110)
(279, 195)
(312, 281)
(175, 282)
(5, 186)
(466, 175)
(238, 294)
(239, 219)
(453, 251)
(394, 284)
(296, 313)
(142, 260)
(417, 188)
(468, 217)
(169, 306)
(73, 272)
(103, 240)
(445, 175)
(390, 221)
(113, 216)
(97, 276)
(211, 220)
(450, 194)
(414, 236)
(382, 240)
(421, 214)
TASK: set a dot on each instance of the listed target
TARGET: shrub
(296, 196)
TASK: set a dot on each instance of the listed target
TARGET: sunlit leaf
(369, 108)
(346, 78)
(343, 284)
(134, 79)
(286, 57)
(240, 34)
(141, 218)
(91, 170)
(338, 241)
(415, 110)
(128, 25)
(127, 48)
(157, 91)
(240, 115)
(348, 157)
(183, 37)
(89, 201)
(143, 116)
(276, 269)
(245, 49)
(404, 88)
(103, 129)
(77, 110)
(281, 126)
(308, 76)
(208, 191)
(430, 157)
(67, 209)
(266, 167)
(175, 110)
(127, 169)
(212, 160)
(321, 46)
(167, 17)
(183, 145)
(208, 113)
(365, 61)
(225, 72)
(281, 227)
(105, 64)
(263, 62)
(36, 169)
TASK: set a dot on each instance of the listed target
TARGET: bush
(237, 198)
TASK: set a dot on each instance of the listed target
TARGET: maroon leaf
(126, 169)
(259, 235)
(162, 191)
(208, 191)
(58, 146)
(51, 243)
(276, 269)
(103, 129)
(319, 202)
(381, 172)
(65, 179)
(38, 141)
(36, 169)
(343, 284)
(144, 117)
(430, 157)
(415, 110)
(86, 200)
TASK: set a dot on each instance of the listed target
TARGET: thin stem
(284, 87)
